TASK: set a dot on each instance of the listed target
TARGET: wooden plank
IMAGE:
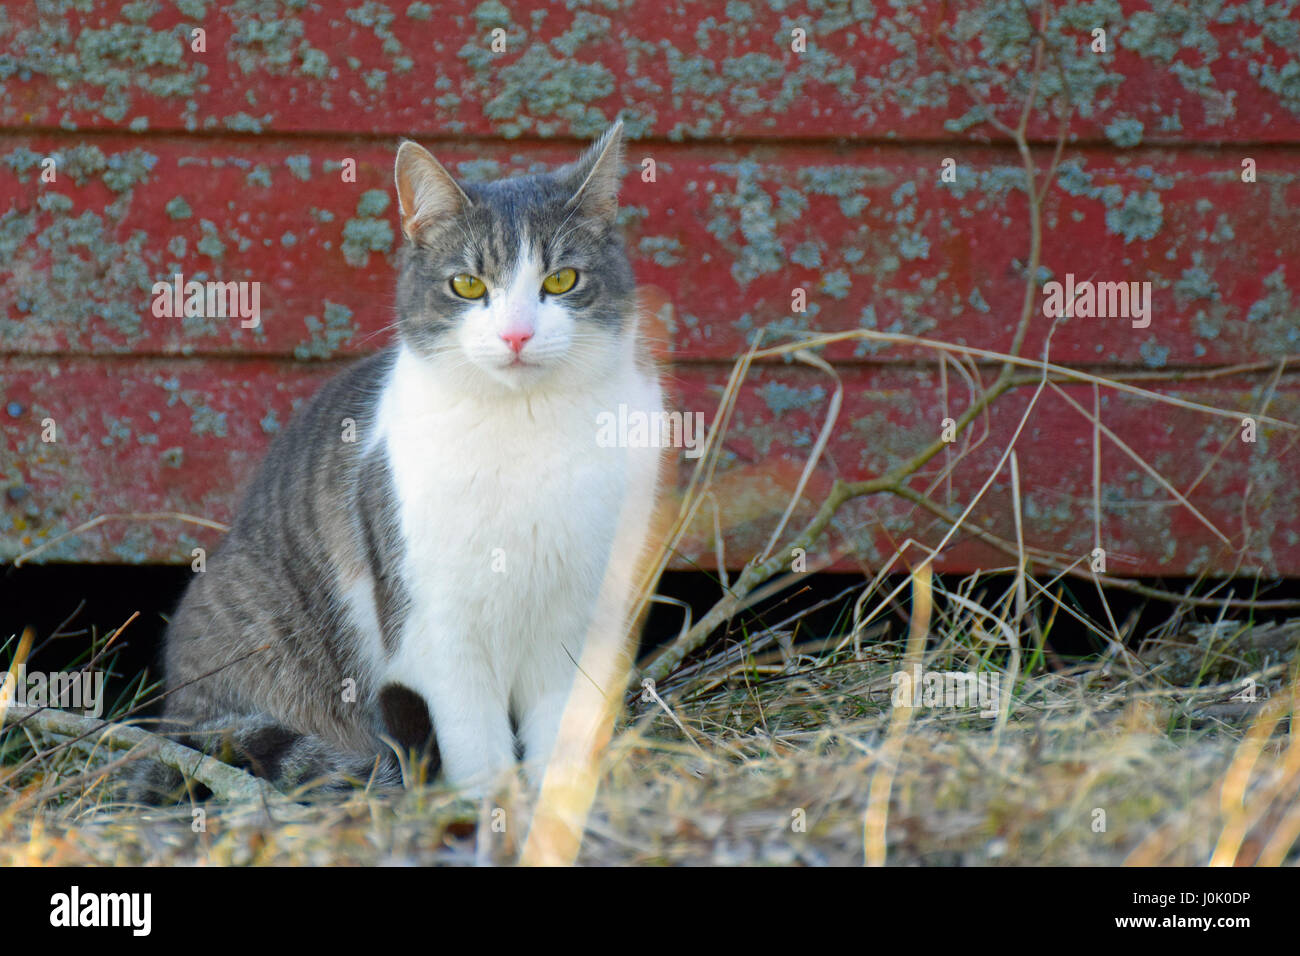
(175, 435)
(871, 233)
(1222, 70)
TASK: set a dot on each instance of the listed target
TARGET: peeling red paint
(775, 171)
(139, 435)
(683, 69)
(874, 238)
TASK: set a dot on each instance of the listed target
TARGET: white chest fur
(508, 509)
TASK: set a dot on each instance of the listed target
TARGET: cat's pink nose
(516, 338)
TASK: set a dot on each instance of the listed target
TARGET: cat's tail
(259, 744)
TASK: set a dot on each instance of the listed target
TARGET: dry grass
(782, 752)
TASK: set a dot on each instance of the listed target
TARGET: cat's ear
(426, 192)
(599, 173)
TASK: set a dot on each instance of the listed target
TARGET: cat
(433, 581)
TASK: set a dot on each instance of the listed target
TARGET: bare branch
(226, 782)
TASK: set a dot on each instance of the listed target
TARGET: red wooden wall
(776, 169)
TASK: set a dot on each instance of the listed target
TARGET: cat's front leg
(471, 719)
(539, 725)
(475, 739)
(560, 723)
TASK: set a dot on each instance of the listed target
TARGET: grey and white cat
(449, 563)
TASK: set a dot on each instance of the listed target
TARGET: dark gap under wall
(44, 596)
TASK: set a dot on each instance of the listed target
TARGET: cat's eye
(467, 286)
(560, 281)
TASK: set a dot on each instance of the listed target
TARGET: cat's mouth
(514, 369)
(518, 361)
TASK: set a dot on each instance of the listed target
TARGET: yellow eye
(467, 286)
(560, 281)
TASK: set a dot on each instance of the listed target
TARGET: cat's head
(523, 281)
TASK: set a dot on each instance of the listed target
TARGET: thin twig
(226, 782)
